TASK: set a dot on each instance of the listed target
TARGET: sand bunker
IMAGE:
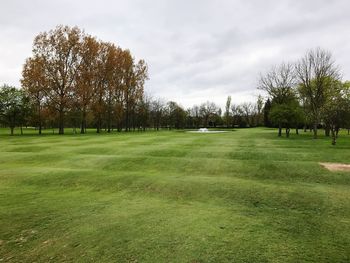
(336, 166)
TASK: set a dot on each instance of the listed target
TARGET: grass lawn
(241, 196)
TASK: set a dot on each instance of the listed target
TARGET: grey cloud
(197, 50)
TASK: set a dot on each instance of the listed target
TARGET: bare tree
(236, 114)
(279, 84)
(207, 110)
(157, 110)
(248, 111)
(196, 115)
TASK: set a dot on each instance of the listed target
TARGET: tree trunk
(127, 128)
(83, 122)
(109, 120)
(82, 130)
(98, 129)
(315, 130)
(287, 132)
(327, 131)
(336, 131)
(334, 137)
(40, 125)
(61, 123)
(296, 130)
(100, 108)
(279, 130)
(12, 130)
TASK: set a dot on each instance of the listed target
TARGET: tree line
(74, 80)
(18, 108)
(309, 92)
(72, 77)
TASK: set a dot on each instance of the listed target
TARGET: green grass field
(241, 196)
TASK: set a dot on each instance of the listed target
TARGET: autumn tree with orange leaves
(71, 72)
(87, 78)
(59, 51)
(34, 84)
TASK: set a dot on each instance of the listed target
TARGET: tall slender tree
(227, 111)
(35, 86)
(135, 77)
(59, 51)
(87, 78)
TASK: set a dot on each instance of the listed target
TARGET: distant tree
(176, 115)
(195, 113)
(237, 115)
(346, 87)
(287, 115)
(59, 52)
(135, 76)
(102, 75)
(279, 84)
(267, 109)
(259, 111)
(86, 78)
(26, 110)
(337, 109)
(227, 116)
(74, 74)
(217, 119)
(113, 82)
(157, 111)
(248, 112)
(35, 85)
(143, 112)
(315, 72)
(12, 106)
(208, 110)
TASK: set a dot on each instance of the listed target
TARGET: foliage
(287, 115)
(316, 72)
(13, 107)
(267, 109)
(315, 83)
(73, 73)
(337, 109)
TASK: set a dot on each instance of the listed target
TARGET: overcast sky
(196, 50)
